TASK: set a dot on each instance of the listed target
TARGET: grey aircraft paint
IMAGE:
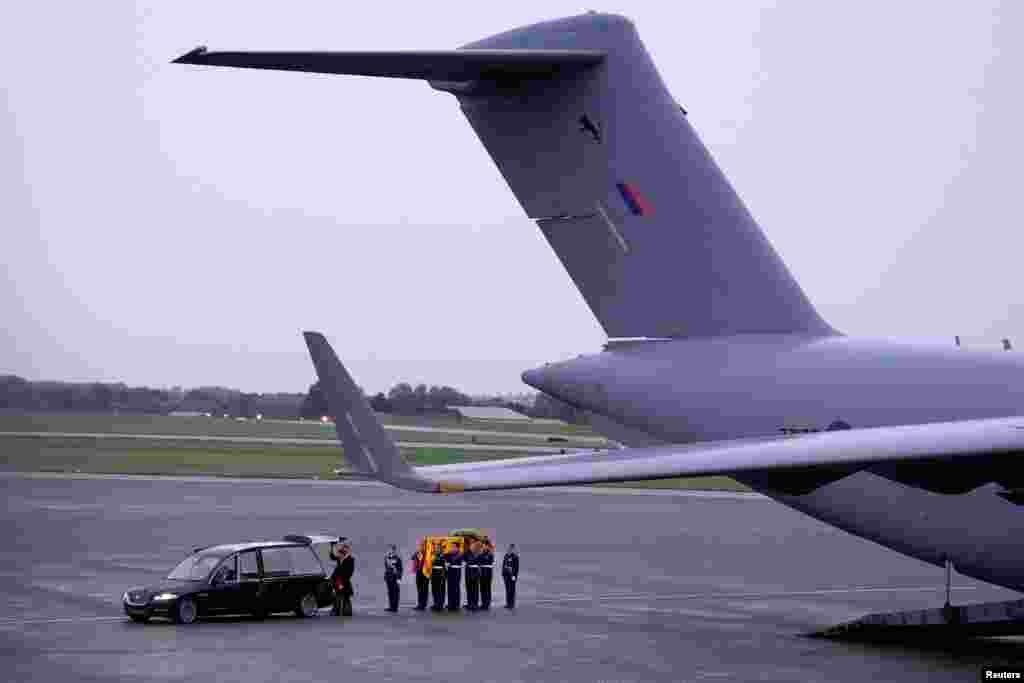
(754, 386)
(692, 261)
(599, 153)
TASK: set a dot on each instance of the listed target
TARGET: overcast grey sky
(164, 224)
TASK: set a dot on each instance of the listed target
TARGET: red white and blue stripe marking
(635, 202)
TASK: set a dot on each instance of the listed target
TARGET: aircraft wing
(885, 449)
(431, 65)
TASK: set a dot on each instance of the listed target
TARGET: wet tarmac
(615, 586)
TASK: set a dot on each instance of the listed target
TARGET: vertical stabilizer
(639, 213)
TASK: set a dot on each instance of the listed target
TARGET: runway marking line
(555, 600)
(351, 481)
(742, 596)
(59, 620)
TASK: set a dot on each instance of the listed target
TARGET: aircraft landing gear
(948, 622)
(950, 614)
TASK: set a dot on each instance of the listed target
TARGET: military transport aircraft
(715, 355)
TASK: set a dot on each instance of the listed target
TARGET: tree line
(19, 394)
(404, 399)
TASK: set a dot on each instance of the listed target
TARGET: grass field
(184, 457)
(430, 428)
(541, 426)
(691, 484)
(138, 456)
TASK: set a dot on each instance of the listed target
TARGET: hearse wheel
(185, 611)
(307, 606)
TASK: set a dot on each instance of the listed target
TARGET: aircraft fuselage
(681, 391)
(756, 385)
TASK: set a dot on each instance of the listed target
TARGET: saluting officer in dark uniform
(453, 565)
(341, 577)
(437, 580)
(473, 577)
(486, 561)
(392, 575)
(510, 574)
(422, 582)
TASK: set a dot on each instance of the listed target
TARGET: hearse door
(224, 587)
(249, 596)
(277, 571)
(308, 575)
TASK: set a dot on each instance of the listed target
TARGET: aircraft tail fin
(367, 447)
(644, 221)
(603, 158)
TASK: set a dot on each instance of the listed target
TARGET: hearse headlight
(165, 596)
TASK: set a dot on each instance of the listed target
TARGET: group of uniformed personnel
(446, 569)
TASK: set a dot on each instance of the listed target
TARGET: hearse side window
(195, 567)
(304, 561)
(277, 562)
(227, 572)
(248, 566)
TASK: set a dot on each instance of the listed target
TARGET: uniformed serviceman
(392, 575)
(510, 574)
(437, 579)
(345, 567)
(453, 567)
(473, 577)
(486, 561)
(422, 582)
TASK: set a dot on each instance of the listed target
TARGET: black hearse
(242, 578)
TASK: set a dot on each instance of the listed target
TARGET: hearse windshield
(196, 567)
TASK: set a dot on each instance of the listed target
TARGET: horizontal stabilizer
(431, 65)
(370, 451)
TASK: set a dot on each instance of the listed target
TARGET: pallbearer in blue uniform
(392, 575)
(486, 561)
(473, 576)
(510, 574)
(422, 582)
(437, 579)
(453, 566)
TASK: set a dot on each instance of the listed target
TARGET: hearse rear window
(304, 561)
(277, 562)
